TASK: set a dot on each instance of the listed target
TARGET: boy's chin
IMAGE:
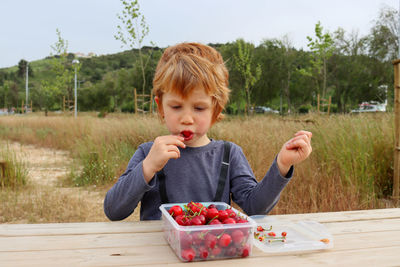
(197, 142)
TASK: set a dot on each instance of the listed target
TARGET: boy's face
(190, 117)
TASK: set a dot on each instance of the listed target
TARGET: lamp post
(75, 62)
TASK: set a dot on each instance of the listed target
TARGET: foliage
(132, 33)
(321, 50)
(352, 69)
(15, 169)
(248, 73)
(351, 166)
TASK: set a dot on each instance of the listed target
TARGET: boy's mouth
(187, 135)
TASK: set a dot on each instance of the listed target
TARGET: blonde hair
(187, 66)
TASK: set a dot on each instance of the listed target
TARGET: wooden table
(361, 238)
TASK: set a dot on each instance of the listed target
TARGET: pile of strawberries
(209, 243)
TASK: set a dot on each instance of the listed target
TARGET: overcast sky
(28, 27)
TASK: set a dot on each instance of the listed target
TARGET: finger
(301, 137)
(173, 148)
(172, 155)
(309, 134)
(176, 140)
(172, 140)
(297, 144)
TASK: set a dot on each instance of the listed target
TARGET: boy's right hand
(163, 149)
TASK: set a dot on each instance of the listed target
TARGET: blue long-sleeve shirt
(194, 177)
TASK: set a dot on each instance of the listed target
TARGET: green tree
(249, 73)
(321, 49)
(22, 68)
(61, 67)
(132, 32)
(383, 39)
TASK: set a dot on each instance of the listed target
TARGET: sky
(28, 28)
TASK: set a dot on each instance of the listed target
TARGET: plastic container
(203, 242)
(300, 236)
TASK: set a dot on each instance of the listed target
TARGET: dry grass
(350, 167)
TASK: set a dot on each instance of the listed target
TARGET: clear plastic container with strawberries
(207, 230)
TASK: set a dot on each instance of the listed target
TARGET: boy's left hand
(294, 151)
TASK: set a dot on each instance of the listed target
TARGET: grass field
(351, 166)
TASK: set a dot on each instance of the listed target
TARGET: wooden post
(396, 170)
(329, 104)
(318, 103)
(63, 103)
(135, 99)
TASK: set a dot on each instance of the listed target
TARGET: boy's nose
(187, 118)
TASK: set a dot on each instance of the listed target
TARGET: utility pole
(26, 87)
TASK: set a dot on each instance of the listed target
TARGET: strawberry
(188, 254)
(198, 238)
(215, 221)
(186, 240)
(216, 251)
(203, 252)
(245, 251)
(210, 240)
(231, 251)
(182, 220)
(241, 220)
(229, 221)
(212, 206)
(231, 213)
(222, 215)
(175, 211)
(211, 213)
(225, 240)
(217, 231)
(237, 236)
(198, 220)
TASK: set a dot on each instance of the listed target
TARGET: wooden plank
(382, 256)
(156, 226)
(64, 242)
(78, 228)
(144, 243)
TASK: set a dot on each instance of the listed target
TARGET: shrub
(15, 171)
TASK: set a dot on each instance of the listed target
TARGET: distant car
(370, 107)
(262, 109)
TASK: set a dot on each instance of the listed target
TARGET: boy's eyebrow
(173, 101)
(201, 102)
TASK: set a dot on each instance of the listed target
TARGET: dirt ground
(47, 167)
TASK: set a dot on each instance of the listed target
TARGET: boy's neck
(201, 142)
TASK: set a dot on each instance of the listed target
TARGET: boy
(191, 89)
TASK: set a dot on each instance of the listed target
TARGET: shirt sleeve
(122, 199)
(252, 196)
